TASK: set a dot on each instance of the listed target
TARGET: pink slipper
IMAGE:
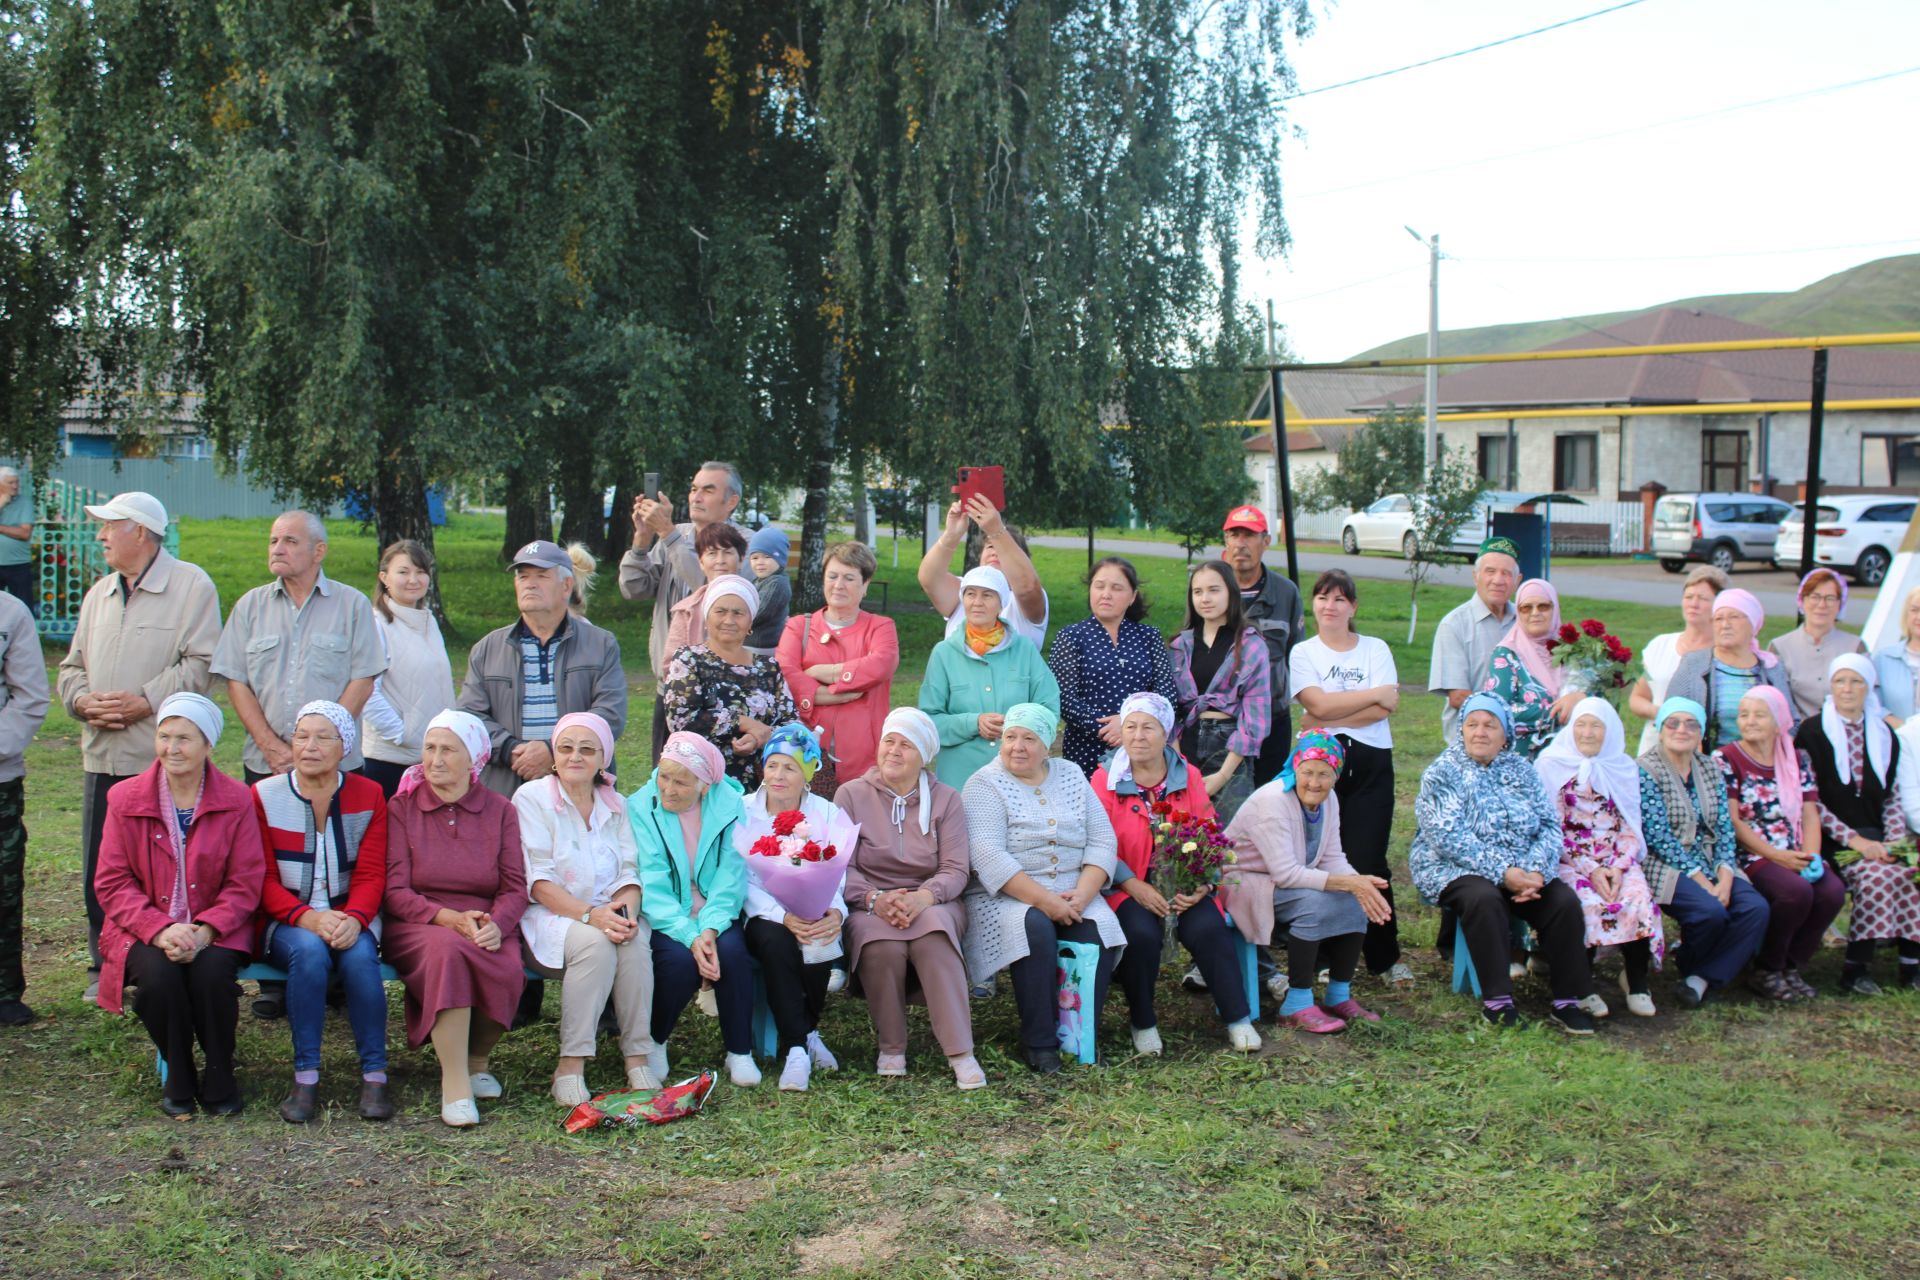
(1351, 1010)
(1316, 1020)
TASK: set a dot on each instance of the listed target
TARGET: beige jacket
(160, 642)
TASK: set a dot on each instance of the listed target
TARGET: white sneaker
(639, 1078)
(1399, 975)
(708, 1002)
(793, 1075)
(657, 1061)
(1147, 1041)
(1242, 1036)
(836, 981)
(822, 1056)
(1195, 980)
(891, 1065)
(485, 1084)
(1594, 1005)
(459, 1115)
(1277, 984)
(1640, 1005)
(742, 1071)
(570, 1091)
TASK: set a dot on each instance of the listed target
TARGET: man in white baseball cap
(147, 629)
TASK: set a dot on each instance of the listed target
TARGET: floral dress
(1595, 836)
(1528, 700)
(709, 696)
(1755, 798)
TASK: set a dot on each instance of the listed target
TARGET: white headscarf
(473, 736)
(1120, 767)
(917, 727)
(197, 710)
(1879, 736)
(985, 575)
(1612, 773)
(730, 584)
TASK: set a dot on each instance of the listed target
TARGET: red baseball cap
(1246, 518)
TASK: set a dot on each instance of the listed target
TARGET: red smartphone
(989, 482)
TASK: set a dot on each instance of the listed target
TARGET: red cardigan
(135, 875)
(363, 807)
(870, 650)
(1133, 826)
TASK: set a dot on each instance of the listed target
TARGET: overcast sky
(1680, 203)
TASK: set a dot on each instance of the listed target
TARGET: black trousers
(181, 1003)
(1206, 935)
(93, 827)
(1365, 788)
(1036, 985)
(659, 723)
(384, 772)
(796, 990)
(1307, 956)
(13, 888)
(17, 581)
(1277, 746)
(1484, 908)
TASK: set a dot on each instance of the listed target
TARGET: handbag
(826, 779)
(1077, 966)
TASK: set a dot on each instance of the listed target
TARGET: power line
(1352, 284)
(1617, 133)
(1696, 257)
(1491, 44)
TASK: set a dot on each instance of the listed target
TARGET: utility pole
(1282, 465)
(1433, 346)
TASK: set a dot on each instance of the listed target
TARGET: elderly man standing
(147, 630)
(662, 566)
(23, 705)
(550, 663)
(16, 539)
(1464, 642)
(1272, 604)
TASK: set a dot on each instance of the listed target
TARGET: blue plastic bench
(1244, 953)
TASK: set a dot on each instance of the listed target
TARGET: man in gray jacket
(661, 566)
(23, 705)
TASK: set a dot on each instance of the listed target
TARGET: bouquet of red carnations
(804, 870)
(1189, 852)
(1593, 659)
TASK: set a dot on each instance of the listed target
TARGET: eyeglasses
(1533, 608)
(1820, 598)
(1679, 725)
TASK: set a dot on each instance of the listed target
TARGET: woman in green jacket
(693, 884)
(976, 674)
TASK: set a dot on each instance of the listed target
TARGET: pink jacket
(226, 863)
(870, 650)
(1270, 852)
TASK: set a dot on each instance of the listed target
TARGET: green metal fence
(66, 556)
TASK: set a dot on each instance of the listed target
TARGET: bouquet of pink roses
(804, 870)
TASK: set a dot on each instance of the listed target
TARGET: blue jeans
(1717, 941)
(310, 964)
(676, 978)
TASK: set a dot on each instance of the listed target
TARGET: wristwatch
(586, 917)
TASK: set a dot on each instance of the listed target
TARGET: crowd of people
(476, 842)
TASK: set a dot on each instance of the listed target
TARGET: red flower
(1160, 808)
(1625, 655)
(810, 851)
(1181, 817)
(829, 853)
(767, 847)
(784, 823)
(1594, 627)
(1567, 633)
(1552, 645)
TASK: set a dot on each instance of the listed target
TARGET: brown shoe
(300, 1104)
(373, 1101)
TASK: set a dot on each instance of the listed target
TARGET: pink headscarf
(1533, 653)
(1786, 757)
(1743, 600)
(472, 734)
(602, 731)
(696, 755)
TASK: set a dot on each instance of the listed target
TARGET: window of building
(1723, 461)
(1576, 463)
(1890, 460)
(1493, 460)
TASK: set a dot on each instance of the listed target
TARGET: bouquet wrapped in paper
(804, 869)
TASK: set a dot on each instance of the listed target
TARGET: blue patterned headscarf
(1487, 702)
(1313, 744)
(796, 740)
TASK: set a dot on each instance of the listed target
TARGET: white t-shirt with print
(1368, 665)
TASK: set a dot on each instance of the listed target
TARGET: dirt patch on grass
(854, 1246)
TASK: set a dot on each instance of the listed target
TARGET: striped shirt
(539, 705)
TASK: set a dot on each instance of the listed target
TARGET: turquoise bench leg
(766, 1036)
(1244, 955)
(1463, 971)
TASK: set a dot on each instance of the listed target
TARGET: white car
(1387, 525)
(1856, 534)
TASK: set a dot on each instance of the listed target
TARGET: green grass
(1733, 1142)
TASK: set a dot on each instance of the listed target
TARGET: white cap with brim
(142, 508)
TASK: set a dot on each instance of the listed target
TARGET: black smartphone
(620, 909)
(650, 484)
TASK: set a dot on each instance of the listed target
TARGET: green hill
(1875, 297)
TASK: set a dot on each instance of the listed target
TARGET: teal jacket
(719, 869)
(960, 686)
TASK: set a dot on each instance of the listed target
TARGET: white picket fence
(1623, 521)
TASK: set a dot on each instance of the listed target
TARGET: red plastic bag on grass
(630, 1107)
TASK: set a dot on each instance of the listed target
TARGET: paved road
(1634, 583)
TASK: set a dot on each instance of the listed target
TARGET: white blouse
(592, 859)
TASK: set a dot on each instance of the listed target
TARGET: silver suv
(1718, 528)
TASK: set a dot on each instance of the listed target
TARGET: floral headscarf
(336, 715)
(1312, 744)
(796, 740)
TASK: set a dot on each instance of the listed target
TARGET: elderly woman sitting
(693, 883)
(456, 888)
(1290, 870)
(1487, 848)
(1042, 852)
(326, 836)
(909, 868)
(1595, 788)
(179, 879)
(1683, 807)
(583, 925)
(796, 956)
(1147, 771)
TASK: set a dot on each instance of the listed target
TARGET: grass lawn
(1732, 1142)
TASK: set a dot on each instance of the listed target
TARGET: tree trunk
(581, 518)
(399, 497)
(620, 521)
(528, 515)
(862, 503)
(813, 516)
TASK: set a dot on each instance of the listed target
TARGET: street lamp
(1433, 345)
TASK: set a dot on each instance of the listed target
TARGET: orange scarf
(984, 642)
